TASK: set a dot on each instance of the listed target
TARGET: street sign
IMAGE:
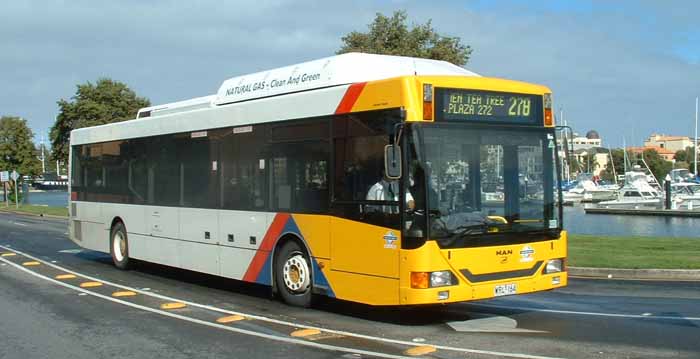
(14, 175)
(4, 176)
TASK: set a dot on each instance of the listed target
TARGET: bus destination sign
(488, 106)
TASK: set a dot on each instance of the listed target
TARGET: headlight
(440, 279)
(554, 266)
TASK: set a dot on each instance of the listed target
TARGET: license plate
(504, 289)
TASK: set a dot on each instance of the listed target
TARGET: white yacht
(686, 195)
(589, 191)
(636, 193)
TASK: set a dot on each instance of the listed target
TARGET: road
(47, 317)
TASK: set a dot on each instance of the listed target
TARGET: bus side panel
(316, 232)
(92, 234)
(241, 233)
(133, 216)
(364, 288)
(198, 249)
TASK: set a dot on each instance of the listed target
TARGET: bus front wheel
(293, 275)
(119, 246)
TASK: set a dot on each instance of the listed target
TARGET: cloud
(623, 67)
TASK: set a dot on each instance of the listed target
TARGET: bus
(375, 179)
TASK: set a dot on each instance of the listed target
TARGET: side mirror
(392, 161)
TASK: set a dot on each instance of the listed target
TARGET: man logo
(504, 252)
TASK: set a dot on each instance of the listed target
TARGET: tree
(391, 36)
(106, 101)
(17, 151)
(657, 164)
(618, 161)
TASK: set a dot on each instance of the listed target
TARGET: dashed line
(420, 350)
(305, 333)
(90, 284)
(8, 254)
(127, 293)
(171, 306)
(230, 319)
(65, 276)
(210, 324)
(145, 291)
(31, 264)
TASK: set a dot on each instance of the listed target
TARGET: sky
(626, 68)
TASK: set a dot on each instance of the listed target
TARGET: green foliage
(391, 36)
(618, 161)
(106, 101)
(657, 164)
(17, 150)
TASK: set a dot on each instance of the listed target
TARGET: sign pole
(7, 198)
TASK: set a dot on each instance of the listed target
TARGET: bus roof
(330, 71)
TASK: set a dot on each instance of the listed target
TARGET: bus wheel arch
(292, 271)
(119, 244)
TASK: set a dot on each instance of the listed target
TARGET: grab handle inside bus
(392, 161)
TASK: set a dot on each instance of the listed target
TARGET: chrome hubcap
(119, 245)
(296, 274)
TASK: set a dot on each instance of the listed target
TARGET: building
(671, 143)
(665, 153)
(597, 162)
(591, 140)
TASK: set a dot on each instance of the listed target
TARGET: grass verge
(39, 210)
(634, 252)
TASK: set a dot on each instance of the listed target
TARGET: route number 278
(519, 106)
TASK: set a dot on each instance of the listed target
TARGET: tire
(293, 275)
(119, 247)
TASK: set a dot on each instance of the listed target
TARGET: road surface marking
(30, 264)
(173, 305)
(20, 224)
(277, 321)
(420, 350)
(230, 319)
(594, 314)
(127, 293)
(209, 324)
(71, 251)
(8, 254)
(301, 333)
(90, 284)
(66, 276)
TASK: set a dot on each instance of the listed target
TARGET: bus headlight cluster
(554, 266)
(422, 280)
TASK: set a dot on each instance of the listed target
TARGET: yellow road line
(90, 284)
(174, 305)
(66, 276)
(420, 350)
(126, 293)
(305, 333)
(230, 318)
(10, 254)
(32, 263)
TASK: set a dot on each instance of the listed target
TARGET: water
(576, 220)
(49, 198)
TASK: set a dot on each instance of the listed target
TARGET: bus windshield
(481, 185)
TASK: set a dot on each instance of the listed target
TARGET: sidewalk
(638, 274)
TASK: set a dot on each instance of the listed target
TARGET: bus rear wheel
(293, 275)
(119, 246)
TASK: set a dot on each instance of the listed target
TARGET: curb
(639, 274)
(32, 214)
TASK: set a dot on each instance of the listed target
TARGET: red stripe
(251, 275)
(350, 97)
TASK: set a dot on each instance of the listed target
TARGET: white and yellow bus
(376, 179)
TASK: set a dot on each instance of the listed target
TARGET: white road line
(20, 224)
(647, 316)
(210, 324)
(290, 324)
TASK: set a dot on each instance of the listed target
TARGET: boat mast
(695, 150)
(612, 164)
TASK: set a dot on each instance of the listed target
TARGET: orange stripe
(350, 97)
(251, 275)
